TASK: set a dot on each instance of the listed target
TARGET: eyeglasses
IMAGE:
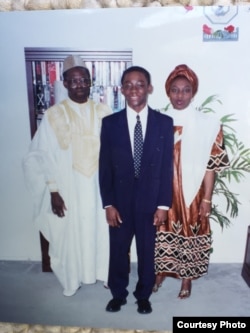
(84, 82)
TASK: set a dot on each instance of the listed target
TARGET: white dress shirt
(131, 117)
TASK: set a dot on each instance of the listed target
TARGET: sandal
(184, 294)
(158, 283)
(185, 291)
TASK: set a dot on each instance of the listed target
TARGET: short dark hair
(136, 69)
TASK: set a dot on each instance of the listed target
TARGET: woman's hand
(205, 208)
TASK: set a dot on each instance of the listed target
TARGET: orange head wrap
(184, 71)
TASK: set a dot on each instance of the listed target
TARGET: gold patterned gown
(183, 245)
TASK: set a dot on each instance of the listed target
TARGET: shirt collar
(131, 114)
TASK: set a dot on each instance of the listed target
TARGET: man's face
(78, 84)
(135, 89)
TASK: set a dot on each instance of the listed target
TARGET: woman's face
(181, 93)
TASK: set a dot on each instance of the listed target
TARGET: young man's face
(135, 89)
(78, 84)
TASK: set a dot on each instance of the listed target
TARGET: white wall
(161, 38)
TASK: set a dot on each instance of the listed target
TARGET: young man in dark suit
(136, 201)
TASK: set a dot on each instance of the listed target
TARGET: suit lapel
(151, 138)
(123, 133)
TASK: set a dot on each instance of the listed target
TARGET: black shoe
(144, 306)
(115, 304)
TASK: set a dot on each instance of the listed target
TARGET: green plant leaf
(239, 165)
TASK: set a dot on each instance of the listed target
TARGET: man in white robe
(61, 172)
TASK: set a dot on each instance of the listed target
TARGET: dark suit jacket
(116, 168)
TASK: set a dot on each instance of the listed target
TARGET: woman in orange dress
(183, 243)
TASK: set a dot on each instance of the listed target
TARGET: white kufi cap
(73, 61)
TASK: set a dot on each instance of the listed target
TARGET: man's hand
(57, 204)
(113, 216)
(160, 217)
